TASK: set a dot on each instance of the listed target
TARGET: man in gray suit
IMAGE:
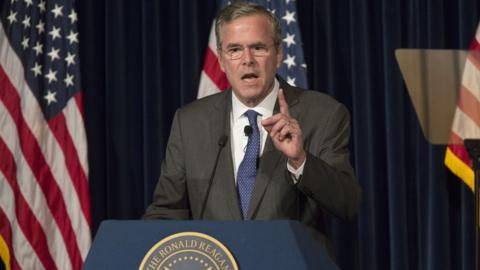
(261, 150)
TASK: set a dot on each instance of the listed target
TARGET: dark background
(141, 60)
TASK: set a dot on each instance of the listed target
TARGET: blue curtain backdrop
(141, 60)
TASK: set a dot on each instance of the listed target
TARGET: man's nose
(248, 58)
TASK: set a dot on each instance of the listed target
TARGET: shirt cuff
(296, 173)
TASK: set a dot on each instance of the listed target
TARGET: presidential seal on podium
(188, 250)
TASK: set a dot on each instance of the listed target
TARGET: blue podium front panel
(253, 244)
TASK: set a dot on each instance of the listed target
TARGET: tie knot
(252, 117)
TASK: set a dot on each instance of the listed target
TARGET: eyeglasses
(236, 52)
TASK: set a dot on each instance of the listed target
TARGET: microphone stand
(221, 143)
(473, 148)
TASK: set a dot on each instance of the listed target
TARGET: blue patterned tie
(247, 171)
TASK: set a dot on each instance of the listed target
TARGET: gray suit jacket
(328, 183)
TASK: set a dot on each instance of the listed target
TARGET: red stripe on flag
(79, 100)
(475, 45)
(26, 218)
(6, 233)
(475, 58)
(469, 105)
(41, 170)
(456, 146)
(213, 70)
(58, 125)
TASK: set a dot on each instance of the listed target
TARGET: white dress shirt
(238, 121)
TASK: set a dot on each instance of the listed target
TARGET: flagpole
(473, 148)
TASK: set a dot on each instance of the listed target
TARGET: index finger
(283, 103)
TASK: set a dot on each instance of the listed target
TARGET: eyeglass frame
(251, 47)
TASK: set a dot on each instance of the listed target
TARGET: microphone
(248, 130)
(222, 141)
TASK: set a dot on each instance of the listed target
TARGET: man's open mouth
(249, 77)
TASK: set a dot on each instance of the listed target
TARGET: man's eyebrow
(233, 45)
(256, 44)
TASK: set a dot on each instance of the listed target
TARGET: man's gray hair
(241, 9)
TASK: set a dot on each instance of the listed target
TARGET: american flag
(466, 123)
(293, 68)
(44, 196)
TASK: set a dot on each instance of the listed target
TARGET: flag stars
(57, 11)
(38, 48)
(51, 76)
(290, 61)
(28, 3)
(41, 6)
(291, 81)
(50, 97)
(25, 42)
(40, 26)
(12, 17)
(26, 22)
(70, 59)
(73, 37)
(68, 80)
(289, 39)
(73, 16)
(37, 69)
(55, 33)
(289, 17)
(54, 54)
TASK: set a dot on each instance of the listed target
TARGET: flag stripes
(46, 175)
(44, 200)
(75, 127)
(476, 41)
(212, 79)
(27, 221)
(469, 105)
(20, 248)
(213, 70)
(466, 123)
(58, 125)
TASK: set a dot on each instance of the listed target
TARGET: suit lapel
(224, 177)
(271, 156)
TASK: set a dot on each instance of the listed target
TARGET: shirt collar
(265, 108)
